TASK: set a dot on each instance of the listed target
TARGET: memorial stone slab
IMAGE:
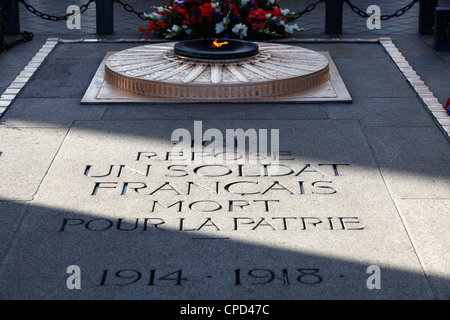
(143, 221)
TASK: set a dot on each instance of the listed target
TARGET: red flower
(151, 25)
(235, 10)
(161, 24)
(190, 18)
(206, 9)
(276, 12)
(180, 10)
(257, 14)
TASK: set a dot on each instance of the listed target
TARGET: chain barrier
(83, 8)
(25, 37)
(44, 16)
(397, 13)
(141, 15)
(309, 8)
(129, 8)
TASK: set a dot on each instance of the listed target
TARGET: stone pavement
(99, 187)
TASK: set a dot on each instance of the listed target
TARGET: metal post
(441, 41)
(333, 16)
(12, 17)
(105, 16)
(2, 17)
(426, 16)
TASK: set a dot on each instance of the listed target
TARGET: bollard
(105, 16)
(12, 22)
(333, 16)
(2, 16)
(441, 40)
(426, 16)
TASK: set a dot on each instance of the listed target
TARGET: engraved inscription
(213, 198)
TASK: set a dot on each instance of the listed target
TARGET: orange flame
(218, 44)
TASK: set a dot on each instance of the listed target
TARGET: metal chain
(309, 8)
(129, 8)
(26, 36)
(141, 15)
(397, 13)
(44, 16)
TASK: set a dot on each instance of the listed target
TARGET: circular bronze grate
(157, 70)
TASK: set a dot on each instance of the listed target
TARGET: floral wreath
(243, 19)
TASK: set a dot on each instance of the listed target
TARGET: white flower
(153, 16)
(244, 2)
(216, 6)
(290, 28)
(271, 1)
(175, 28)
(268, 15)
(220, 27)
(285, 11)
(240, 30)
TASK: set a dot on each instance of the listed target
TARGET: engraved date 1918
(256, 276)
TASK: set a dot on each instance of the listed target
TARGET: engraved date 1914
(255, 276)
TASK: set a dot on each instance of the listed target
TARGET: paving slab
(427, 222)
(154, 228)
(49, 112)
(20, 55)
(372, 78)
(348, 50)
(413, 160)
(62, 78)
(11, 215)
(383, 112)
(26, 154)
(8, 74)
(216, 111)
